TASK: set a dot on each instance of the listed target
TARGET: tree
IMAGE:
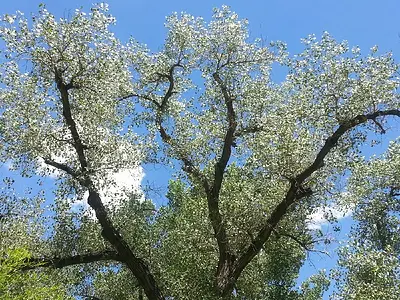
(252, 158)
(370, 264)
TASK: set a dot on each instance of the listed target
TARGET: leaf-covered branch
(188, 165)
(136, 265)
(228, 140)
(292, 195)
(61, 262)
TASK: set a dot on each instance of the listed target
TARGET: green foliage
(314, 287)
(25, 285)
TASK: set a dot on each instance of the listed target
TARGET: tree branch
(188, 165)
(171, 86)
(135, 264)
(304, 245)
(78, 145)
(383, 131)
(225, 262)
(146, 97)
(293, 193)
(226, 259)
(61, 262)
(60, 166)
(227, 147)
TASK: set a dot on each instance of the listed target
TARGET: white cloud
(116, 187)
(113, 186)
(320, 217)
(125, 181)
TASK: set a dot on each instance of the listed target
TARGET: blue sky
(362, 22)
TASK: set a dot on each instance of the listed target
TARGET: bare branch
(305, 245)
(383, 131)
(146, 97)
(60, 166)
